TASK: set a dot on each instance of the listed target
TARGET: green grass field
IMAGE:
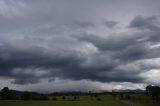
(59, 103)
(84, 101)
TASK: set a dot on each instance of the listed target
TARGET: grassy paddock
(84, 101)
(143, 100)
(106, 100)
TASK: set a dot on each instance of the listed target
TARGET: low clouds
(110, 24)
(145, 23)
(63, 41)
(151, 24)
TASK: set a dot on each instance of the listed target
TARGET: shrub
(25, 96)
(55, 99)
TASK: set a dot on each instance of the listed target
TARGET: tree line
(7, 94)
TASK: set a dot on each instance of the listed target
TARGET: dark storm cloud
(112, 42)
(128, 48)
(131, 45)
(12, 59)
(70, 66)
(148, 23)
(110, 24)
(144, 23)
(84, 24)
(25, 81)
(60, 39)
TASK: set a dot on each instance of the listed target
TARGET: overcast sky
(61, 45)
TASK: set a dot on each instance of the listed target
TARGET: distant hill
(132, 91)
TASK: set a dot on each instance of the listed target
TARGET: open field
(142, 100)
(85, 101)
(139, 100)
(59, 103)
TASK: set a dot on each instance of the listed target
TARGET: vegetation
(17, 98)
(153, 91)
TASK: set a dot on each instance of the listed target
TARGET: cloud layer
(45, 40)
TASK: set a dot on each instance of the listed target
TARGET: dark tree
(114, 95)
(74, 98)
(127, 97)
(153, 91)
(91, 95)
(55, 99)
(96, 95)
(25, 96)
(99, 99)
(121, 96)
(6, 94)
(63, 98)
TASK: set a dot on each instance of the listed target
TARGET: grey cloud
(124, 47)
(133, 52)
(68, 67)
(25, 81)
(84, 24)
(112, 42)
(144, 23)
(41, 40)
(37, 59)
(148, 23)
(110, 24)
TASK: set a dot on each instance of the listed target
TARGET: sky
(79, 45)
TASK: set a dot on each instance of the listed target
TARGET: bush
(121, 96)
(99, 99)
(25, 96)
(63, 98)
(40, 98)
(55, 99)
(127, 97)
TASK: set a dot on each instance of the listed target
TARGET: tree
(91, 95)
(153, 91)
(25, 96)
(63, 98)
(6, 94)
(55, 99)
(114, 94)
(121, 96)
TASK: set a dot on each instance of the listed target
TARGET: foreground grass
(137, 100)
(143, 100)
(85, 101)
(59, 103)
